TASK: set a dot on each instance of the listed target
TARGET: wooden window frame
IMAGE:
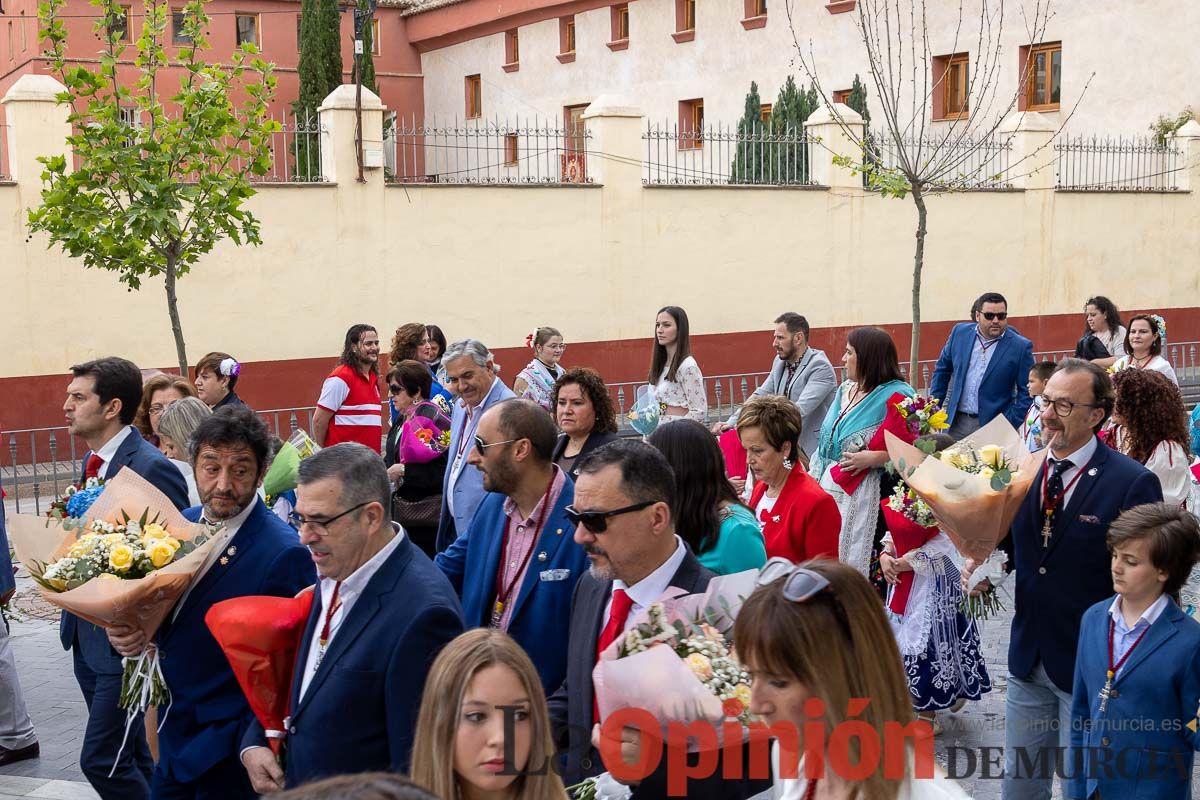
(619, 22)
(840, 6)
(755, 14)
(298, 39)
(944, 80)
(512, 149)
(178, 39)
(691, 124)
(685, 20)
(566, 39)
(473, 94)
(127, 15)
(764, 112)
(238, 16)
(376, 44)
(1029, 56)
(512, 50)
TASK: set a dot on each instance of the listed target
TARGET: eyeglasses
(481, 445)
(597, 521)
(556, 347)
(321, 526)
(393, 389)
(1063, 408)
(991, 315)
(158, 409)
(802, 584)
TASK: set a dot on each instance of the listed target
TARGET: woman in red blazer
(799, 519)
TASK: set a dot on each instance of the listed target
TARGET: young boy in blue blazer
(1137, 675)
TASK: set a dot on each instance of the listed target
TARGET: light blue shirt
(980, 358)
(1124, 637)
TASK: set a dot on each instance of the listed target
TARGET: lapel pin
(775, 518)
(224, 560)
(542, 556)
(1092, 472)
(558, 532)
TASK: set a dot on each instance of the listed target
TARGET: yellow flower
(57, 583)
(954, 458)
(154, 531)
(114, 538)
(987, 473)
(992, 455)
(120, 558)
(742, 692)
(160, 553)
(699, 665)
(107, 576)
(171, 542)
(937, 421)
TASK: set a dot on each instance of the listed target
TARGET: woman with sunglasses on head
(536, 381)
(674, 373)
(1103, 340)
(816, 632)
(415, 456)
(1144, 346)
(482, 689)
(708, 514)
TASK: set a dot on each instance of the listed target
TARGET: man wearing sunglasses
(516, 565)
(983, 370)
(622, 508)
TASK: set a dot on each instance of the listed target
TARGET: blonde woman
(460, 750)
(817, 631)
(175, 430)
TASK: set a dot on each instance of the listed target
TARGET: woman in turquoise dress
(719, 529)
(845, 465)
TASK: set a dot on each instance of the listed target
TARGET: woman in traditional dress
(536, 381)
(1144, 346)
(844, 464)
(674, 374)
(1150, 425)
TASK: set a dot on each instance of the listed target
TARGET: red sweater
(805, 522)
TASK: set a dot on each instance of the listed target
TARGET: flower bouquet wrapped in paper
(973, 488)
(77, 499)
(911, 524)
(126, 561)
(646, 411)
(284, 473)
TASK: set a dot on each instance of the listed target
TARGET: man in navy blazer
(516, 565)
(102, 400)
(201, 737)
(382, 613)
(18, 739)
(1057, 546)
(983, 371)
(471, 372)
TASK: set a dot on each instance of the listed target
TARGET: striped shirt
(356, 407)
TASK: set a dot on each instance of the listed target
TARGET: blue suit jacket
(1160, 683)
(1005, 386)
(144, 459)
(359, 711)
(467, 485)
(541, 618)
(209, 714)
(1056, 584)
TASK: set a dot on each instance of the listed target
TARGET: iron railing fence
(1106, 164)
(957, 163)
(37, 465)
(759, 155)
(529, 151)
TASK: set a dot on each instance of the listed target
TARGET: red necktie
(92, 468)
(617, 614)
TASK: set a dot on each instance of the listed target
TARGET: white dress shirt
(1079, 459)
(650, 589)
(351, 589)
(109, 449)
(1125, 636)
(981, 356)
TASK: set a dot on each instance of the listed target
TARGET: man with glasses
(1058, 548)
(623, 499)
(516, 565)
(201, 735)
(982, 371)
(381, 613)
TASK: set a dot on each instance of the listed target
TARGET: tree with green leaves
(320, 72)
(788, 158)
(157, 180)
(748, 158)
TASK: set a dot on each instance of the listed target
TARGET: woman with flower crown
(1144, 344)
(536, 381)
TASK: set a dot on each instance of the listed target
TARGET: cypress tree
(320, 73)
(789, 157)
(747, 161)
(858, 101)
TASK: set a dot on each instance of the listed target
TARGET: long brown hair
(683, 346)
(441, 711)
(1151, 410)
(406, 342)
(838, 644)
(877, 360)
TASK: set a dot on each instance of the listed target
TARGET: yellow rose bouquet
(973, 488)
(126, 561)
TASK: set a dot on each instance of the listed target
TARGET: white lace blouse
(686, 391)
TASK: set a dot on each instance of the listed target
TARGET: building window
(756, 14)
(474, 90)
(1043, 64)
(376, 44)
(764, 112)
(510, 150)
(566, 39)
(178, 34)
(841, 96)
(691, 124)
(118, 28)
(620, 22)
(12, 50)
(298, 39)
(512, 48)
(247, 29)
(25, 34)
(951, 83)
(685, 15)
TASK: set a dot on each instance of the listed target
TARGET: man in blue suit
(983, 371)
(102, 400)
(382, 613)
(18, 739)
(471, 372)
(1057, 546)
(201, 736)
(517, 564)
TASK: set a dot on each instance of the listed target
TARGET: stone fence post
(1187, 139)
(1032, 161)
(833, 141)
(37, 126)
(339, 160)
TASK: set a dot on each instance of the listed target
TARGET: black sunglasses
(393, 389)
(991, 315)
(597, 521)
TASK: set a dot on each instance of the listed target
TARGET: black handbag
(423, 513)
(1090, 347)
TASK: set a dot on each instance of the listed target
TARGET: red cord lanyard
(323, 641)
(502, 591)
(1113, 669)
(1050, 504)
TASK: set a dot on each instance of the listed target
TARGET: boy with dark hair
(1031, 428)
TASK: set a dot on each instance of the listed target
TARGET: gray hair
(474, 348)
(360, 470)
(181, 419)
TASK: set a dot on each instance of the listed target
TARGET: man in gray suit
(799, 373)
(18, 740)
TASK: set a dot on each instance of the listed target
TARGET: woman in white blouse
(674, 374)
(1144, 346)
(1152, 428)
